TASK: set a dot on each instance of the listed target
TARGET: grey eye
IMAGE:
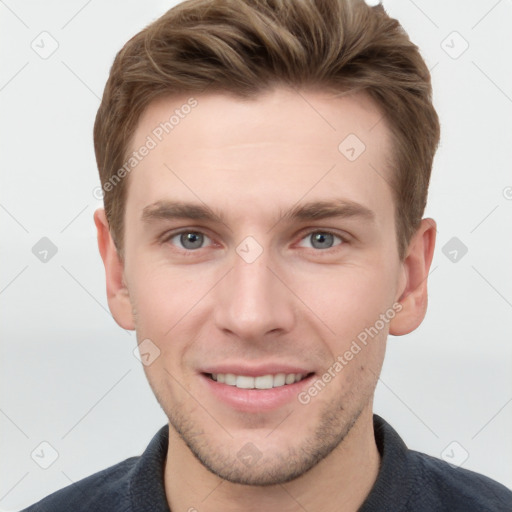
(189, 240)
(321, 240)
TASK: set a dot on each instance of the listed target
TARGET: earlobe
(117, 292)
(413, 290)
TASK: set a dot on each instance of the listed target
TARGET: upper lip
(256, 370)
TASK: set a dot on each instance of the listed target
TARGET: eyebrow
(340, 208)
(168, 210)
(314, 210)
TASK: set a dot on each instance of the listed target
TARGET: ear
(412, 294)
(117, 292)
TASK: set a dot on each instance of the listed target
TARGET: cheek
(170, 306)
(347, 299)
(162, 293)
(156, 305)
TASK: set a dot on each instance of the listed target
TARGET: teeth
(230, 379)
(279, 380)
(244, 382)
(260, 382)
(264, 382)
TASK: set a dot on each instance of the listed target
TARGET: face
(259, 245)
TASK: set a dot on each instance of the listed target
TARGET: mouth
(255, 391)
(268, 381)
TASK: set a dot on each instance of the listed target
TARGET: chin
(245, 464)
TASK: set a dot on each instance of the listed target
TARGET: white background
(68, 374)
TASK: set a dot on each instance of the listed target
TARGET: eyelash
(344, 240)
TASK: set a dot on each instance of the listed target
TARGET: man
(265, 166)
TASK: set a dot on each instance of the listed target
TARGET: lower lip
(255, 400)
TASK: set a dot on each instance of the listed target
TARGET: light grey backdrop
(68, 374)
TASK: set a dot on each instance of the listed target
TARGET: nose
(253, 300)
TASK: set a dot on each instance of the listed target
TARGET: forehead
(272, 149)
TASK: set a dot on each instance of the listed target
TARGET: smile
(260, 382)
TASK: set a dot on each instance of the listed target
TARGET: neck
(339, 482)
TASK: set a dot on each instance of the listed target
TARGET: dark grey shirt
(407, 481)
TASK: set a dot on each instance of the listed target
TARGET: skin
(296, 303)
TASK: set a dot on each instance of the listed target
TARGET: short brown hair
(245, 47)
